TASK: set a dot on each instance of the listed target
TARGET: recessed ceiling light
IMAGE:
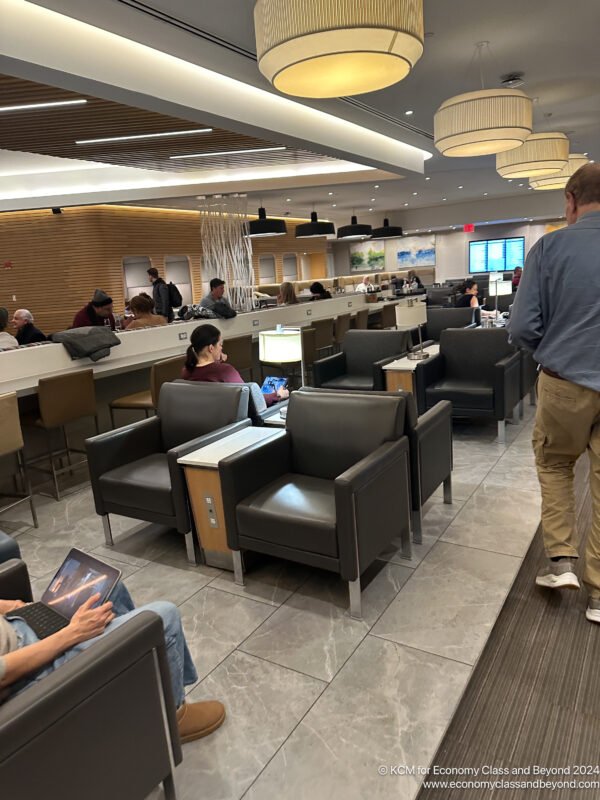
(485, 194)
(429, 230)
(415, 194)
(142, 136)
(521, 184)
(461, 187)
(409, 113)
(428, 178)
(228, 153)
(444, 198)
(334, 205)
(370, 209)
(372, 199)
(510, 180)
(330, 194)
(418, 229)
(35, 106)
(377, 185)
(288, 199)
(586, 154)
(405, 204)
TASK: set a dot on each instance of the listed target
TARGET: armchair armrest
(328, 368)
(430, 451)
(14, 581)
(271, 411)
(42, 712)
(122, 446)
(427, 372)
(507, 384)
(372, 500)
(245, 472)
(178, 484)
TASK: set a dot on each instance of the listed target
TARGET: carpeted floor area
(534, 696)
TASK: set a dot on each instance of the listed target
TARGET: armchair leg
(169, 788)
(192, 549)
(532, 397)
(417, 526)
(108, 537)
(238, 568)
(355, 600)
(515, 415)
(521, 409)
(501, 432)
(448, 490)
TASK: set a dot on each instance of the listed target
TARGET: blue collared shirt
(556, 313)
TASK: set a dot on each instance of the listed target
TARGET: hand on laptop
(283, 393)
(88, 622)
(6, 606)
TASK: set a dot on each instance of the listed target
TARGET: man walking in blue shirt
(556, 315)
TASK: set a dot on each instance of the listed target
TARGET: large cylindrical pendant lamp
(334, 48)
(314, 228)
(540, 154)
(483, 122)
(560, 179)
(265, 226)
(355, 230)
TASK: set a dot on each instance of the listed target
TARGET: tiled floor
(318, 702)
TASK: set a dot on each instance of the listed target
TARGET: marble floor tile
(451, 602)
(272, 581)
(513, 476)
(313, 631)
(264, 704)
(389, 705)
(44, 555)
(499, 520)
(168, 583)
(418, 551)
(215, 623)
(141, 542)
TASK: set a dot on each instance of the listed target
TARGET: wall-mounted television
(496, 255)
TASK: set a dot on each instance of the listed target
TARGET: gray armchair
(134, 470)
(360, 364)
(258, 411)
(330, 491)
(102, 725)
(477, 370)
(439, 319)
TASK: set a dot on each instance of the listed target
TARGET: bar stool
(240, 354)
(324, 335)
(11, 443)
(169, 369)
(361, 319)
(64, 399)
(342, 326)
(388, 317)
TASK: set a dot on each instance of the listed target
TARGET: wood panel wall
(51, 263)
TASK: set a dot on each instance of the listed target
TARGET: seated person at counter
(217, 289)
(141, 307)
(206, 361)
(517, 274)
(96, 312)
(287, 295)
(469, 295)
(319, 292)
(365, 285)
(7, 341)
(27, 333)
(25, 659)
(414, 281)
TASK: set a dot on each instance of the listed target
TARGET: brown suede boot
(196, 720)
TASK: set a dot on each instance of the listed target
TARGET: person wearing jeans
(26, 660)
(555, 315)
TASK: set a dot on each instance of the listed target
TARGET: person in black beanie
(96, 312)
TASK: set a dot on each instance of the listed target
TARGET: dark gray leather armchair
(258, 411)
(439, 319)
(360, 364)
(102, 725)
(430, 439)
(134, 470)
(477, 370)
(8, 548)
(330, 491)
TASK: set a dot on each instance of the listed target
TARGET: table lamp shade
(280, 347)
(499, 288)
(411, 314)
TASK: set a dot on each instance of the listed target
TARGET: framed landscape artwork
(415, 251)
(365, 256)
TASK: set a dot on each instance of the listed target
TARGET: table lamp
(413, 314)
(497, 288)
(281, 346)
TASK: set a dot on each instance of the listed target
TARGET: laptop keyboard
(42, 620)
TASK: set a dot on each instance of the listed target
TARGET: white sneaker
(593, 610)
(559, 575)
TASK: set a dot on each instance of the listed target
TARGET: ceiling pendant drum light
(540, 154)
(354, 230)
(314, 228)
(334, 48)
(387, 231)
(483, 122)
(560, 179)
(264, 226)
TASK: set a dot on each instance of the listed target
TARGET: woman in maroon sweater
(206, 361)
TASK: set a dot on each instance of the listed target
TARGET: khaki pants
(568, 423)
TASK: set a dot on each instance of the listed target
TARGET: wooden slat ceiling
(54, 131)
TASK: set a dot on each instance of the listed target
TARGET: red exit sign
(469, 228)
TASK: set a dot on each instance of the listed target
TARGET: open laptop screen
(79, 577)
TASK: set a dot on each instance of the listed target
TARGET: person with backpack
(166, 296)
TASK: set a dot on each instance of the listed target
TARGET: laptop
(272, 384)
(79, 577)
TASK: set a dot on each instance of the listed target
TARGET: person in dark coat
(96, 312)
(27, 333)
(160, 295)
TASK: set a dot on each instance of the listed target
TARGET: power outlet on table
(183, 336)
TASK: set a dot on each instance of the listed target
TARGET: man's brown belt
(553, 374)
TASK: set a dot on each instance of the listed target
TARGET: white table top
(211, 454)
(276, 421)
(407, 365)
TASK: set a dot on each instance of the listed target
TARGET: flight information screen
(496, 255)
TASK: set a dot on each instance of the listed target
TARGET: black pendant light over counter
(387, 231)
(314, 228)
(265, 226)
(354, 230)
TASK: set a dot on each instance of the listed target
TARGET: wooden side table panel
(399, 381)
(202, 484)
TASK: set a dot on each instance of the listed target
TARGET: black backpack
(175, 298)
